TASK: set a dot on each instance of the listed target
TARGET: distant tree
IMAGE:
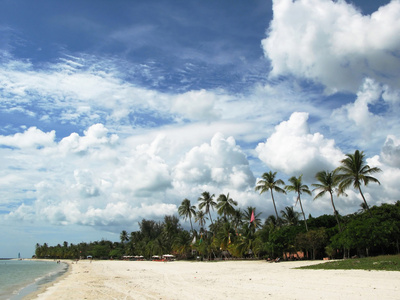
(182, 243)
(354, 171)
(290, 216)
(298, 187)
(328, 181)
(313, 240)
(170, 229)
(237, 219)
(269, 183)
(201, 219)
(123, 237)
(207, 201)
(187, 210)
(272, 222)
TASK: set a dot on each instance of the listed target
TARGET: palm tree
(237, 219)
(123, 237)
(272, 222)
(328, 181)
(225, 205)
(268, 183)
(299, 188)
(247, 216)
(207, 202)
(187, 210)
(201, 219)
(290, 216)
(354, 171)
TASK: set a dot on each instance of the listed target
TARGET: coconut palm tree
(187, 210)
(272, 222)
(123, 237)
(298, 187)
(354, 171)
(237, 219)
(328, 181)
(225, 205)
(247, 216)
(201, 219)
(269, 183)
(290, 216)
(207, 201)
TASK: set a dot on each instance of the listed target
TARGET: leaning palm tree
(354, 171)
(328, 181)
(225, 205)
(187, 210)
(207, 201)
(299, 188)
(269, 183)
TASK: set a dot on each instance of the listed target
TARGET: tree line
(240, 233)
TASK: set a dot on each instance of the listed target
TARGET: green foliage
(313, 240)
(367, 235)
(233, 235)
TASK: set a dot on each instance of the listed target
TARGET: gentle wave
(20, 278)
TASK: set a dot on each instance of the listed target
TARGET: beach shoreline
(216, 280)
(43, 287)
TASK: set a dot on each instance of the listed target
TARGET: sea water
(19, 278)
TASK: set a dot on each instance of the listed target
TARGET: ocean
(19, 278)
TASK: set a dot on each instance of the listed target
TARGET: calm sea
(18, 278)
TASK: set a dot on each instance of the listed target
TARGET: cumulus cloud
(220, 163)
(142, 174)
(31, 138)
(96, 136)
(359, 112)
(332, 43)
(293, 150)
(391, 151)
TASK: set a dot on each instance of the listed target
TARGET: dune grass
(380, 263)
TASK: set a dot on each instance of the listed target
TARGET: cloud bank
(332, 43)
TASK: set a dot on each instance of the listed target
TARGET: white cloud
(31, 138)
(293, 150)
(80, 91)
(220, 163)
(391, 151)
(332, 43)
(196, 105)
(96, 136)
(142, 174)
(359, 113)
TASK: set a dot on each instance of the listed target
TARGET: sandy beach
(217, 280)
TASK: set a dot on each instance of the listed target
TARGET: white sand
(219, 280)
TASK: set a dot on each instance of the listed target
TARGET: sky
(115, 111)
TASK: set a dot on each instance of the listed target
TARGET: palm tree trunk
(273, 201)
(336, 214)
(365, 201)
(191, 226)
(302, 211)
(210, 218)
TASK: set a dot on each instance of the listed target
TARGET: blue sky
(112, 112)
